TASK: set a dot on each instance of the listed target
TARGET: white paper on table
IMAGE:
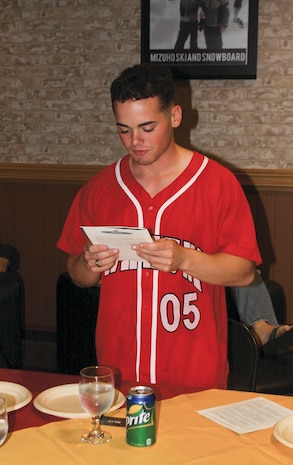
(119, 237)
(247, 416)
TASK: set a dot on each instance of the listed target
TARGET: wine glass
(3, 421)
(96, 395)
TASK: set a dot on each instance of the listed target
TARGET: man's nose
(136, 138)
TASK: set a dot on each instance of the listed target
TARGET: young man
(162, 320)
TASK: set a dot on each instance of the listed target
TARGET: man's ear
(176, 116)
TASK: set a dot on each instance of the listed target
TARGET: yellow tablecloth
(184, 438)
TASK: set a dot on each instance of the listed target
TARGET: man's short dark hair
(144, 81)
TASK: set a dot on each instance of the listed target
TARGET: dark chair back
(12, 311)
(77, 310)
(243, 354)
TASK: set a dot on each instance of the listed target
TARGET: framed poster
(201, 39)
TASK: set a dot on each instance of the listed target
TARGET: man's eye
(148, 129)
(123, 131)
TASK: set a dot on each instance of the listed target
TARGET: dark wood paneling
(282, 269)
(273, 215)
(32, 215)
(272, 179)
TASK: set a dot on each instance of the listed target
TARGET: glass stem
(96, 431)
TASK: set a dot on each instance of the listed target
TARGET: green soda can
(140, 416)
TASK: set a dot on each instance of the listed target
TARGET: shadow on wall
(190, 115)
(183, 96)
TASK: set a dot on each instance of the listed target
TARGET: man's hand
(85, 269)
(219, 269)
(100, 258)
(163, 254)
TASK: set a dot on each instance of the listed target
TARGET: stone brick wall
(58, 58)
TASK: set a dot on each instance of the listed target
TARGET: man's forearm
(80, 273)
(220, 269)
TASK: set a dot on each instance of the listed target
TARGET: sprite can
(140, 416)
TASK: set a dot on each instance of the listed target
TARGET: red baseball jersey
(159, 327)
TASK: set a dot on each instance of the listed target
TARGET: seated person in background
(9, 258)
(10, 327)
(255, 309)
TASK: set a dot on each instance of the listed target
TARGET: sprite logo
(139, 416)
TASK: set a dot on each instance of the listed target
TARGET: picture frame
(237, 59)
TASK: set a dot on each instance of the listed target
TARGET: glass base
(96, 437)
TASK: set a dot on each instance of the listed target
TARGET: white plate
(62, 401)
(283, 431)
(16, 395)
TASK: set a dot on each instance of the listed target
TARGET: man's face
(145, 131)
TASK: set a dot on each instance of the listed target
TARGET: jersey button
(150, 208)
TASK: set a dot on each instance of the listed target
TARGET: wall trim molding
(78, 174)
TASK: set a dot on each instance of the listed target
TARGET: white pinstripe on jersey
(155, 272)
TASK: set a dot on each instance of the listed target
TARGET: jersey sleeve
(237, 234)
(82, 212)
(72, 238)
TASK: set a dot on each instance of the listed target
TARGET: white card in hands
(119, 237)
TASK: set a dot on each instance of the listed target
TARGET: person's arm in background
(3, 264)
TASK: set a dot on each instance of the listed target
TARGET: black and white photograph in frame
(201, 39)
